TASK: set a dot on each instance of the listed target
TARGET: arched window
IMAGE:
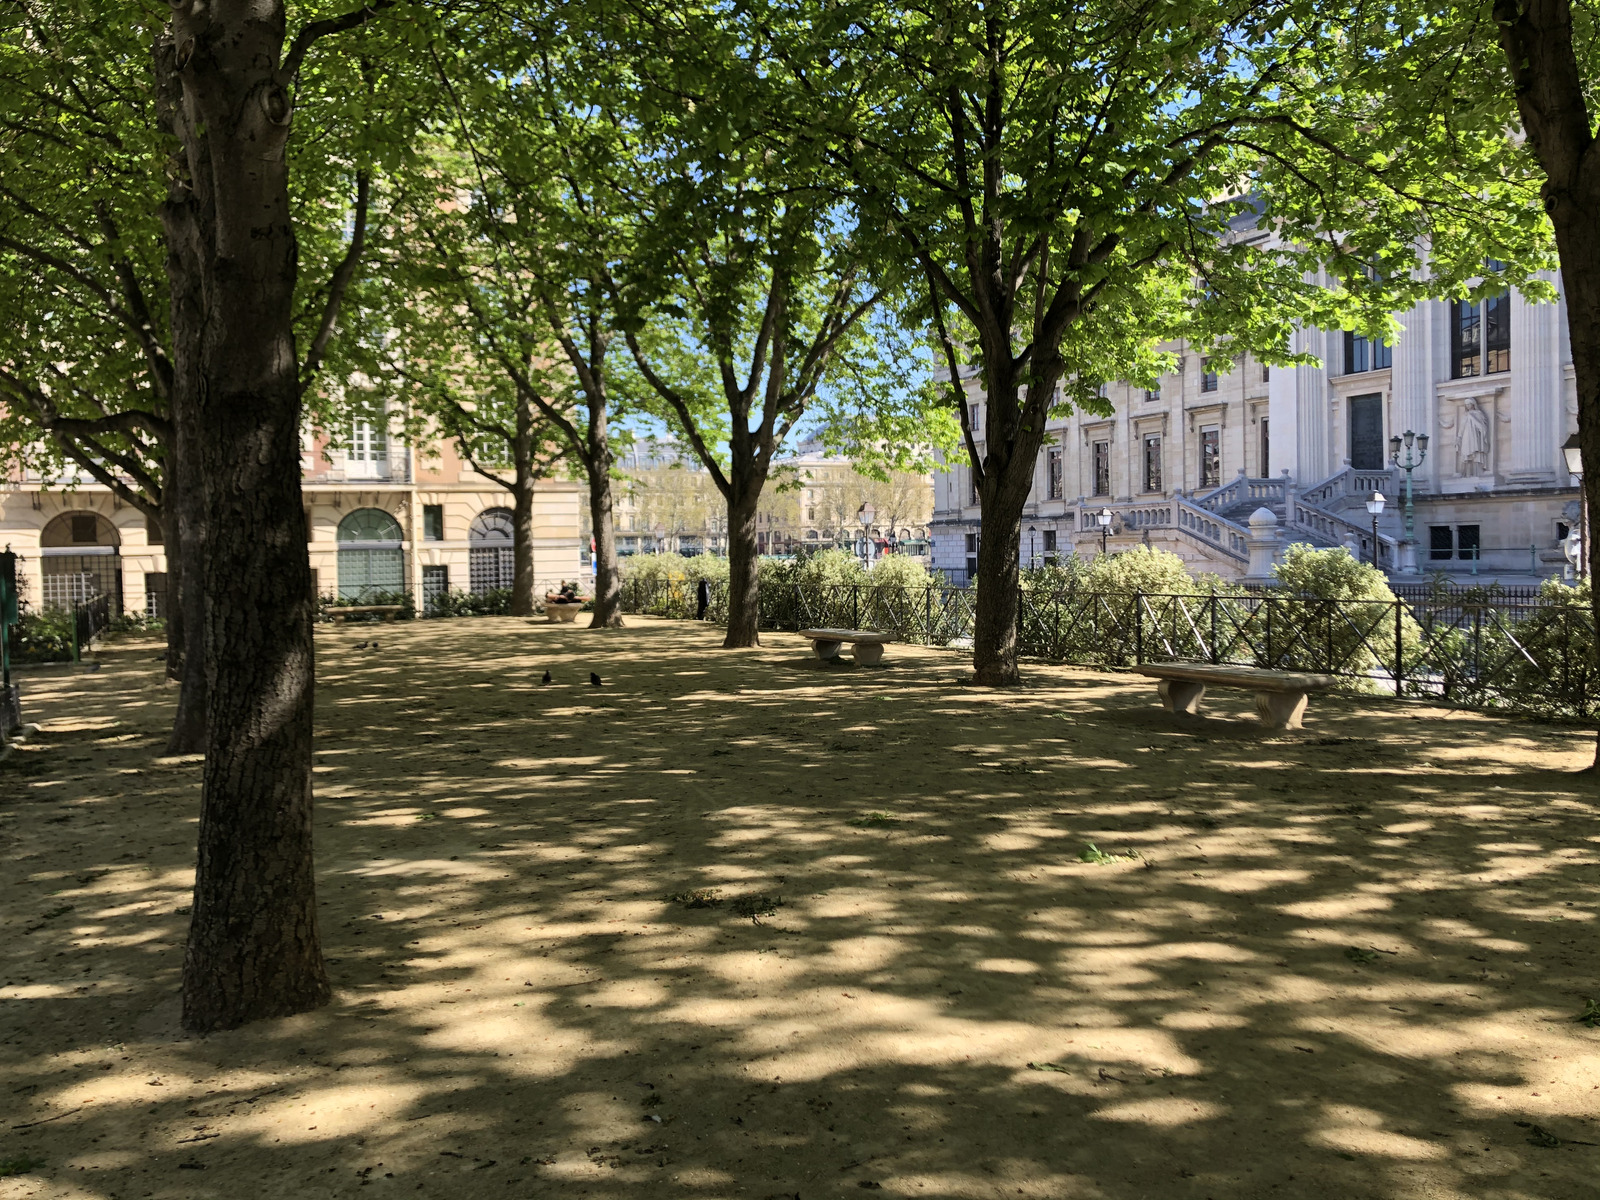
(79, 560)
(490, 558)
(370, 560)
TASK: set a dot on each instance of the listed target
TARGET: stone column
(1534, 404)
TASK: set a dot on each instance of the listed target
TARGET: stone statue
(1474, 437)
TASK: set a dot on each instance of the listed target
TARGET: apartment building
(382, 516)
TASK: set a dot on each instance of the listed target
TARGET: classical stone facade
(1184, 466)
(381, 516)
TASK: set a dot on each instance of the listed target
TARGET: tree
(1552, 59)
(519, 238)
(226, 78)
(1068, 185)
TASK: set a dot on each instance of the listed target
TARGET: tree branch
(329, 25)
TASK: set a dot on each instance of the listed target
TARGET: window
(1366, 432)
(1208, 375)
(972, 420)
(83, 529)
(1055, 474)
(1441, 542)
(1211, 456)
(153, 533)
(370, 560)
(972, 487)
(1152, 394)
(972, 543)
(491, 559)
(368, 443)
(155, 594)
(1480, 336)
(1266, 373)
(1467, 547)
(433, 522)
(1152, 462)
(435, 585)
(1049, 541)
(972, 567)
(1101, 468)
(1266, 448)
(1360, 354)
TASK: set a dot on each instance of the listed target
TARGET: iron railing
(1530, 654)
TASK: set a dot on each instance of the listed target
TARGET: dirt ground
(1340, 963)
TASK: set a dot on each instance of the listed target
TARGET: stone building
(382, 515)
(1183, 466)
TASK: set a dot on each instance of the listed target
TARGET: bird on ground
(594, 679)
(361, 645)
(372, 645)
(546, 678)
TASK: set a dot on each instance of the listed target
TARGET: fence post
(1138, 628)
(929, 607)
(855, 606)
(1215, 657)
(1399, 649)
(1267, 600)
(77, 652)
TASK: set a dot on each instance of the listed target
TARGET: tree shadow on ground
(1341, 962)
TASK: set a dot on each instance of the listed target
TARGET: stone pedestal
(1264, 543)
(1406, 556)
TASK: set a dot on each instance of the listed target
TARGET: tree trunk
(1551, 91)
(1578, 240)
(253, 948)
(607, 575)
(184, 528)
(744, 565)
(522, 450)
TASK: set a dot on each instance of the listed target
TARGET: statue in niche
(1474, 439)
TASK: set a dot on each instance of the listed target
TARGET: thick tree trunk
(522, 450)
(1578, 240)
(994, 618)
(1552, 95)
(253, 948)
(744, 565)
(607, 575)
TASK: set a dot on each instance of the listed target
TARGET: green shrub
(40, 637)
(408, 607)
(133, 623)
(1338, 614)
(496, 602)
(899, 571)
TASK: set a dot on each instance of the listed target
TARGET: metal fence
(1530, 654)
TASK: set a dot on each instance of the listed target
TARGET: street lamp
(1416, 447)
(1375, 504)
(1104, 518)
(866, 514)
(1574, 456)
(1033, 536)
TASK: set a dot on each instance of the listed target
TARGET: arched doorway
(79, 560)
(490, 560)
(370, 559)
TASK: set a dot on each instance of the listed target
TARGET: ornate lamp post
(1375, 504)
(1416, 447)
(1104, 518)
(1574, 457)
(866, 514)
(1033, 536)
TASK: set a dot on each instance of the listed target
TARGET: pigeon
(361, 645)
(594, 679)
(546, 678)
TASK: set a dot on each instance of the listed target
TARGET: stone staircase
(1316, 514)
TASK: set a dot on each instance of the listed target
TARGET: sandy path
(1345, 963)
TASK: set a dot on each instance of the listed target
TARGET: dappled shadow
(1339, 962)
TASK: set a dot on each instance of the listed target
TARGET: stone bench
(561, 612)
(345, 611)
(1281, 696)
(867, 646)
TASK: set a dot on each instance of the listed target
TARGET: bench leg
(1181, 696)
(826, 650)
(868, 654)
(1281, 710)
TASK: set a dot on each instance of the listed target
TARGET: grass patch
(20, 1165)
(876, 820)
(1093, 854)
(697, 898)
